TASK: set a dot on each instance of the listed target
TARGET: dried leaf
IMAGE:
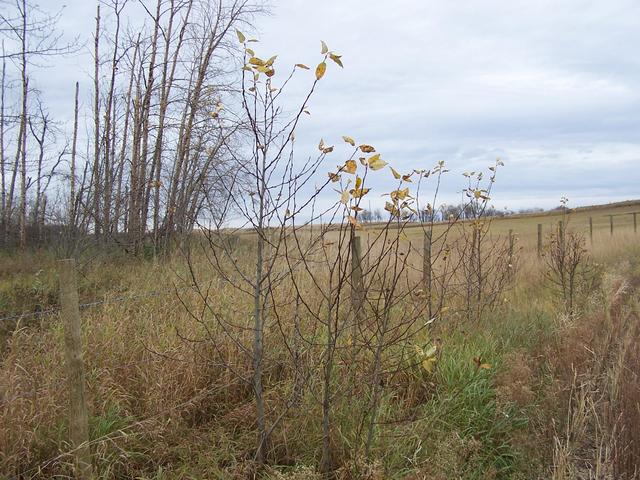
(366, 149)
(429, 364)
(354, 222)
(320, 70)
(324, 49)
(349, 140)
(302, 65)
(350, 166)
(241, 36)
(376, 163)
(396, 175)
(336, 58)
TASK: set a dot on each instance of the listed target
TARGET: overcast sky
(550, 87)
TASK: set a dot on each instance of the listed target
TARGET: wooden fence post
(539, 240)
(511, 243)
(591, 230)
(611, 224)
(426, 270)
(561, 231)
(635, 223)
(357, 285)
(78, 414)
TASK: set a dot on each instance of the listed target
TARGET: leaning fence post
(539, 240)
(426, 270)
(78, 414)
(591, 230)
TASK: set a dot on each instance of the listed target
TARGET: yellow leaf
(376, 163)
(344, 197)
(271, 60)
(250, 52)
(400, 194)
(256, 61)
(334, 177)
(431, 352)
(349, 140)
(429, 364)
(350, 166)
(358, 182)
(366, 149)
(302, 65)
(486, 366)
(392, 209)
(320, 69)
(396, 175)
(241, 36)
(324, 48)
(336, 58)
(407, 178)
(360, 192)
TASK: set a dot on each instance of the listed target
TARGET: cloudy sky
(550, 87)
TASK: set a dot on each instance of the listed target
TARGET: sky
(552, 88)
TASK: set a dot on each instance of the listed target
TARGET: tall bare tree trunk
(3, 173)
(96, 120)
(72, 174)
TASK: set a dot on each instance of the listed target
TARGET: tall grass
(524, 393)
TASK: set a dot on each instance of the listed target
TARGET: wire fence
(95, 303)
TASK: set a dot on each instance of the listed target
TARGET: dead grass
(165, 403)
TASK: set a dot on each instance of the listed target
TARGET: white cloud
(554, 87)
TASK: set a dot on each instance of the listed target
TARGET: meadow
(517, 387)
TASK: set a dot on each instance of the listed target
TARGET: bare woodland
(156, 147)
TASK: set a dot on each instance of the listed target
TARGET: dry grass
(166, 403)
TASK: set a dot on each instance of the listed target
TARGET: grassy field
(525, 391)
(525, 226)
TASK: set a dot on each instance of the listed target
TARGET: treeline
(161, 133)
(447, 212)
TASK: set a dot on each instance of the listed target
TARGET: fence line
(95, 303)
